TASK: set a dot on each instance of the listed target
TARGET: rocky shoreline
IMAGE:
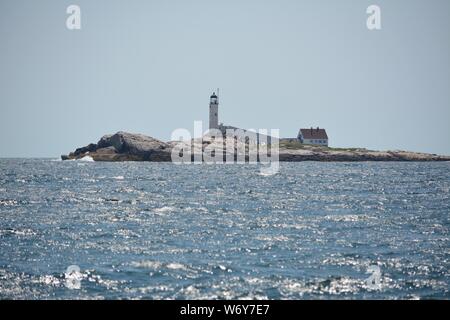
(124, 146)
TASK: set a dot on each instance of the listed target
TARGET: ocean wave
(86, 159)
(165, 209)
(194, 232)
(154, 265)
(158, 265)
(8, 202)
(176, 266)
(18, 232)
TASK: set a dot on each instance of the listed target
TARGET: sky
(150, 66)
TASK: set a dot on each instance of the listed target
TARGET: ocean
(160, 231)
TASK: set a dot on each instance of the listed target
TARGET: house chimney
(311, 130)
(317, 129)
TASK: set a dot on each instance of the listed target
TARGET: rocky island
(124, 146)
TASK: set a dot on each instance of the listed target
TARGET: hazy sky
(150, 66)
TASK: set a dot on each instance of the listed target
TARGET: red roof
(314, 133)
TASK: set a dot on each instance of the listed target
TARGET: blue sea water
(161, 231)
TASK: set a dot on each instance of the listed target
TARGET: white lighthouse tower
(214, 111)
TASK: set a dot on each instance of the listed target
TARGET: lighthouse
(214, 111)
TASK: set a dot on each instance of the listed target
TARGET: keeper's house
(313, 136)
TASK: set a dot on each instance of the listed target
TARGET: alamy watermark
(374, 19)
(227, 145)
(73, 277)
(373, 282)
(73, 21)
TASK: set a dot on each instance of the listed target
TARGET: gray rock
(104, 141)
(124, 146)
(89, 148)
